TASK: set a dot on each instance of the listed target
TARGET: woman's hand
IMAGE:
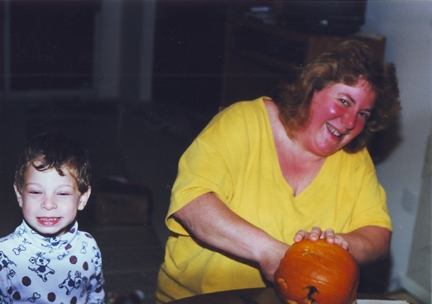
(270, 260)
(366, 244)
(316, 233)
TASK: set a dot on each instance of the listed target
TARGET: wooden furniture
(257, 55)
(250, 296)
(122, 202)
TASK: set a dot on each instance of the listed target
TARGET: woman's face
(338, 114)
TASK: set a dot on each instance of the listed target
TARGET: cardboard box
(123, 204)
(120, 208)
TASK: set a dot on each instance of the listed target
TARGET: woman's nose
(49, 203)
(349, 120)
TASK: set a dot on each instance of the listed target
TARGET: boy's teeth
(49, 218)
(333, 130)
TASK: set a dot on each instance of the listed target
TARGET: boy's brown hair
(58, 152)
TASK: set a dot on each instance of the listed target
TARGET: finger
(300, 235)
(341, 242)
(344, 245)
(329, 236)
(315, 233)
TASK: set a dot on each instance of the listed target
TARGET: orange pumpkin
(317, 272)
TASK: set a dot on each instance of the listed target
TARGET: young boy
(47, 259)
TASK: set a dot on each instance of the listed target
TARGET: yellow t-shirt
(235, 157)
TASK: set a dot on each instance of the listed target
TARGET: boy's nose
(49, 203)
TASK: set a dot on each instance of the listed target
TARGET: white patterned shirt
(38, 269)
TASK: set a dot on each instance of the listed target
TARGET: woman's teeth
(333, 131)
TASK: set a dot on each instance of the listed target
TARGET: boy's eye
(64, 193)
(344, 101)
(34, 192)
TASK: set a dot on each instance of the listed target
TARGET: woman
(266, 172)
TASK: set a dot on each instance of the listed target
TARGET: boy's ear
(18, 195)
(84, 199)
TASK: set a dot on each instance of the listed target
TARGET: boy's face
(50, 201)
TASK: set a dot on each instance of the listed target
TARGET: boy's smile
(50, 201)
(48, 221)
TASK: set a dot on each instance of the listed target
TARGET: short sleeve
(212, 161)
(371, 207)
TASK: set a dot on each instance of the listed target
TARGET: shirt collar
(61, 242)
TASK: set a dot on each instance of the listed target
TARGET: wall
(407, 25)
(188, 53)
(107, 50)
(124, 50)
(418, 277)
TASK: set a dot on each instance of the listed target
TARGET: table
(247, 296)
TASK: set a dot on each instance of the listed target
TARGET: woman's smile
(333, 130)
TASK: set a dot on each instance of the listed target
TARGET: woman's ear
(84, 199)
(18, 195)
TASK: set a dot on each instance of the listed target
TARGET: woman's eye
(364, 115)
(344, 101)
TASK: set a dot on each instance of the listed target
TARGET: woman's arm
(209, 220)
(366, 244)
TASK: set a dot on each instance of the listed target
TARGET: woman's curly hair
(345, 63)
